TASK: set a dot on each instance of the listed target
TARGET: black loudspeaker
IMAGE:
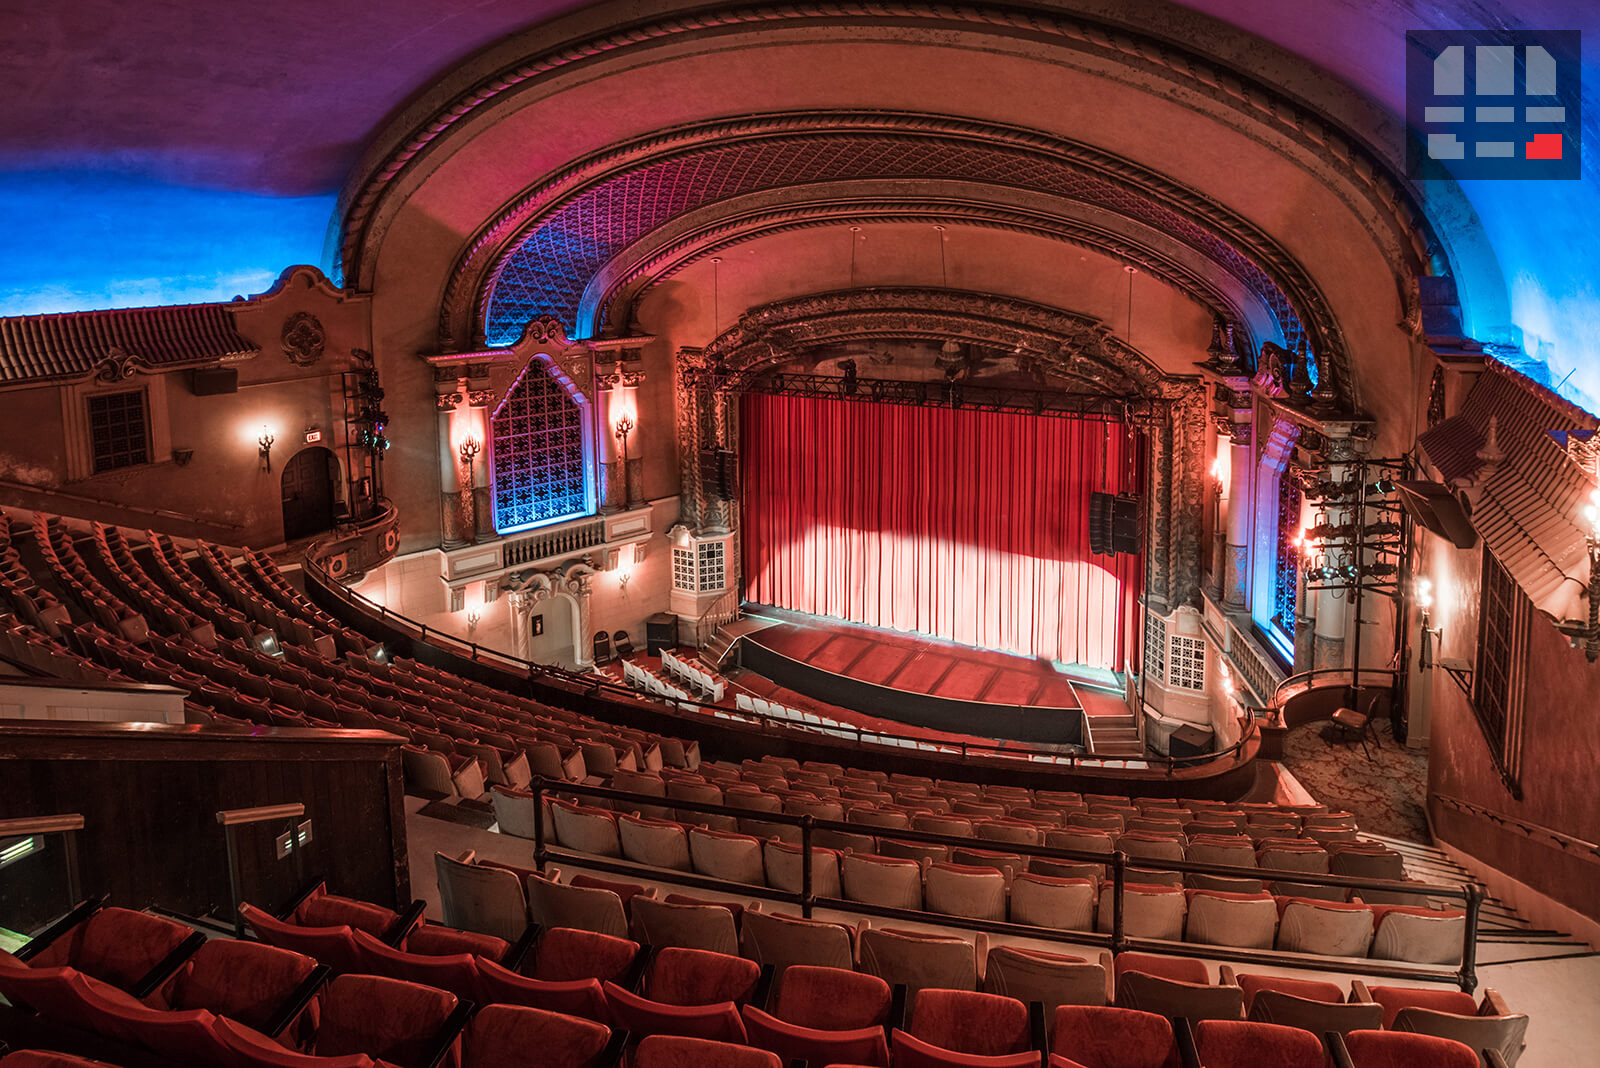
(1434, 508)
(1113, 523)
(1100, 523)
(660, 632)
(719, 473)
(209, 381)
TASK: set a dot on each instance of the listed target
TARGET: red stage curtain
(962, 524)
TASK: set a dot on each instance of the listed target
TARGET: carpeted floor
(1385, 793)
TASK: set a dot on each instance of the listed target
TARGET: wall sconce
(265, 441)
(473, 615)
(1589, 634)
(1422, 591)
(622, 579)
(1219, 474)
(468, 449)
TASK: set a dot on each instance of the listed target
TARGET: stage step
(726, 636)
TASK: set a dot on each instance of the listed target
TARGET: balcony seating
(658, 843)
(256, 984)
(481, 897)
(920, 959)
(130, 950)
(553, 903)
(824, 1016)
(687, 992)
(1247, 921)
(1047, 901)
(1174, 986)
(1103, 1037)
(886, 881)
(1425, 936)
(727, 855)
(783, 941)
(585, 829)
(499, 985)
(1149, 911)
(501, 1035)
(1451, 1014)
(1328, 927)
(1312, 1006)
(1242, 1044)
(1052, 979)
(691, 926)
(783, 863)
(965, 1029)
(1392, 1049)
(396, 1022)
(663, 1051)
(962, 890)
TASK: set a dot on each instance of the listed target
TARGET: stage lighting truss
(1356, 538)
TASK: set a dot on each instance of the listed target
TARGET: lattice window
(713, 566)
(1288, 568)
(1155, 647)
(1497, 678)
(541, 472)
(683, 569)
(1186, 666)
(118, 432)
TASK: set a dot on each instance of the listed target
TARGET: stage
(920, 681)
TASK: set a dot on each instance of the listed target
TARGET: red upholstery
(36, 1058)
(644, 1016)
(333, 946)
(965, 1021)
(1309, 989)
(581, 997)
(831, 999)
(244, 981)
(1177, 969)
(686, 899)
(565, 954)
(457, 973)
(681, 976)
(251, 1049)
(912, 1052)
(437, 940)
(1398, 1049)
(819, 1046)
(1395, 998)
(323, 909)
(515, 1034)
(1238, 1044)
(184, 1036)
(664, 1051)
(389, 1019)
(1114, 1038)
(119, 946)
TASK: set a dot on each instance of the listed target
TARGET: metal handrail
(595, 685)
(1471, 894)
(231, 819)
(1303, 680)
(236, 817)
(67, 825)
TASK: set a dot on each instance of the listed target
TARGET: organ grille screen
(1155, 647)
(1186, 665)
(713, 572)
(683, 569)
(540, 470)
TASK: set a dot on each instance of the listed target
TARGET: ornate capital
(481, 398)
(448, 402)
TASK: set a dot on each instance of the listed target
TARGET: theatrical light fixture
(265, 442)
(473, 616)
(1588, 634)
(1422, 592)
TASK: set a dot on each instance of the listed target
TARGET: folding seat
(865, 793)
(1052, 901)
(963, 890)
(441, 774)
(702, 793)
(506, 1034)
(1286, 856)
(844, 841)
(1082, 839)
(823, 1015)
(35, 1058)
(1149, 846)
(750, 797)
(515, 811)
(674, 1051)
(1244, 1044)
(1225, 883)
(454, 972)
(546, 758)
(552, 903)
(1419, 935)
(1363, 861)
(333, 945)
(1331, 928)
(1329, 821)
(1173, 987)
(1009, 831)
(1039, 817)
(886, 881)
(585, 829)
(783, 863)
(781, 941)
(258, 985)
(399, 1023)
(695, 926)
(1312, 1006)
(877, 816)
(966, 1028)
(727, 855)
(919, 959)
(1149, 911)
(318, 908)
(1391, 1049)
(565, 954)
(658, 843)
(641, 782)
(977, 809)
(1052, 979)
(690, 992)
(1234, 850)
(1327, 836)
(1452, 1014)
(959, 826)
(481, 897)
(797, 805)
(1090, 1036)
(1246, 921)
(132, 951)
(679, 752)
(1155, 825)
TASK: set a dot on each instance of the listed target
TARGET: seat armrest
(301, 898)
(41, 941)
(1359, 994)
(763, 987)
(1494, 1058)
(1334, 1042)
(897, 1010)
(1225, 976)
(1108, 966)
(518, 950)
(449, 1032)
(1494, 1004)
(167, 965)
(297, 1001)
(405, 923)
(632, 980)
(1184, 1034)
(1038, 1033)
(611, 1056)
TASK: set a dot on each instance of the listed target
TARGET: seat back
(1506, 1034)
(333, 946)
(886, 881)
(585, 829)
(971, 1022)
(565, 955)
(919, 960)
(1423, 936)
(115, 945)
(787, 941)
(1327, 927)
(1109, 1037)
(1048, 901)
(658, 843)
(244, 981)
(1395, 1049)
(248, 1048)
(674, 1051)
(506, 1034)
(783, 862)
(481, 898)
(1053, 979)
(1148, 911)
(1318, 1017)
(1248, 921)
(556, 904)
(963, 890)
(706, 927)
(1246, 1044)
(390, 1019)
(727, 855)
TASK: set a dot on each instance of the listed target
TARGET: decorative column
(622, 465)
(449, 402)
(1236, 552)
(690, 371)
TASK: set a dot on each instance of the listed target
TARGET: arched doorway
(308, 481)
(552, 633)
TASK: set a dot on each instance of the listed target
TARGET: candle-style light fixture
(468, 449)
(624, 427)
(265, 442)
(1588, 634)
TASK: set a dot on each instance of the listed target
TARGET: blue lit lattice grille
(540, 473)
(548, 267)
(1283, 592)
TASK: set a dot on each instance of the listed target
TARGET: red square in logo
(1544, 146)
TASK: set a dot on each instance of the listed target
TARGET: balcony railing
(557, 541)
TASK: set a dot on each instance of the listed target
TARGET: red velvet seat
(1394, 1049)
(501, 1035)
(334, 946)
(393, 1021)
(183, 1036)
(1395, 998)
(437, 940)
(824, 1016)
(580, 997)
(322, 909)
(565, 954)
(951, 1028)
(245, 981)
(117, 946)
(1310, 989)
(1239, 1044)
(1096, 1037)
(247, 1048)
(457, 972)
(689, 992)
(675, 1051)
(38, 1058)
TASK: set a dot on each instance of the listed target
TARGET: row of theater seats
(695, 673)
(402, 988)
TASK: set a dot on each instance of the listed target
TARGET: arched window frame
(543, 363)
